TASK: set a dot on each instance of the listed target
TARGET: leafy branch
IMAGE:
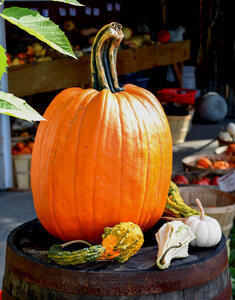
(46, 31)
(16, 107)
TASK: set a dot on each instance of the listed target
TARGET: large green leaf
(16, 107)
(3, 61)
(73, 2)
(40, 27)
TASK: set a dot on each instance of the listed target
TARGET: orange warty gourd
(103, 156)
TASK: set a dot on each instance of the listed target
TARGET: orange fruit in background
(22, 148)
(25, 150)
(232, 165)
(230, 149)
(14, 152)
(30, 145)
(21, 56)
(8, 59)
(19, 146)
(221, 164)
(204, 163)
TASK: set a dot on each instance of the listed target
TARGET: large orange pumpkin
(103, 156)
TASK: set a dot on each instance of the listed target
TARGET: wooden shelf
(35, 78)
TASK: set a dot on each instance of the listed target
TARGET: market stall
(112, 220)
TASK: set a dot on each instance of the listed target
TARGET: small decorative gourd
(119, 243)
(206, 229)
(225, 136)
(231, 129)
(175, 205)
(173, 239)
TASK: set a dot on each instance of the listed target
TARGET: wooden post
(178, 70)
(6, 178)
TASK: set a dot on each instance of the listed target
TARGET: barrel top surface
(26, 256)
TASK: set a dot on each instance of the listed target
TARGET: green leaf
(233, 229)
(232, 273)
(232, 257)
(40, 27)
(16, 107)
(73, 2)
(3, 61)
(232, 242)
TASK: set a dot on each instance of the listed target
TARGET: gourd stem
(76, 241)
(104, 56)
(201, 209)
(162, 260)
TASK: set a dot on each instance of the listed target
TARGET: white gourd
(231, 129)
(206, 229)
(173, 239)
(225, 136)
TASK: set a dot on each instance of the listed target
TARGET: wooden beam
(30, 79)
(149, 57)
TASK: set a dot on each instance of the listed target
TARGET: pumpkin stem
(201, 209)
(104, 56)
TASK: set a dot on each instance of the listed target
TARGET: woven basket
(179, 126)
(189, 162)
(217, 204)
(21, 171)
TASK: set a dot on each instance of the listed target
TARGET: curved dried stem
(162, 260)
(76, 241)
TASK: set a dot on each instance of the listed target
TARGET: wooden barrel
(29, 275)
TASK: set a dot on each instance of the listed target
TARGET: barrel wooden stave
(218, 288)
(29, 275)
